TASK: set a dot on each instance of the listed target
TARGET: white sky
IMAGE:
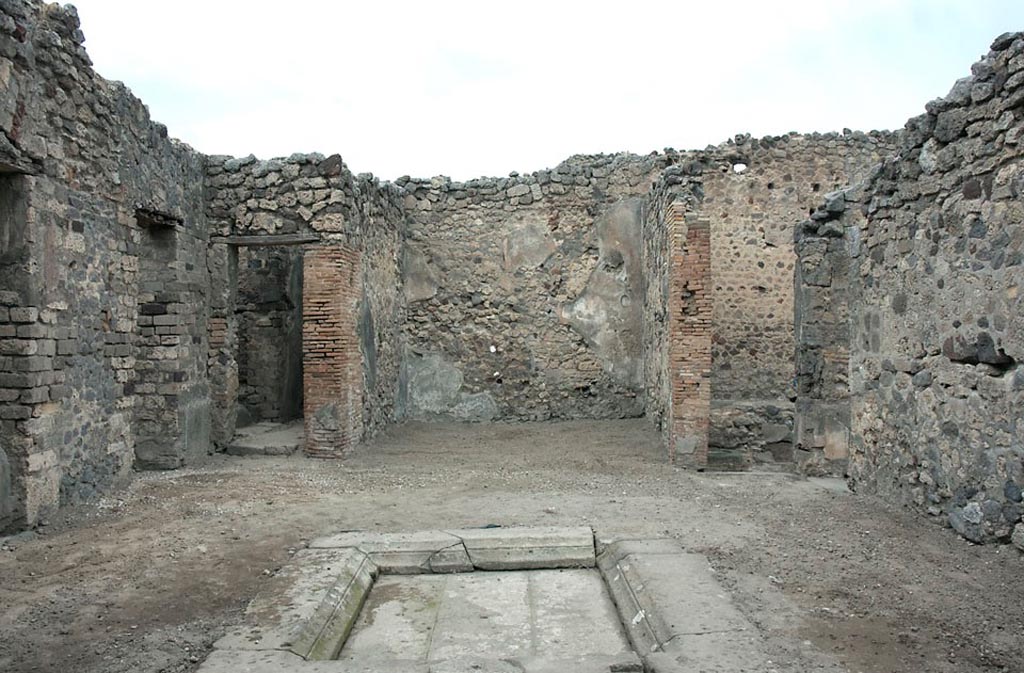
(483, 88)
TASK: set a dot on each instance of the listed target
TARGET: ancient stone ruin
(844, 304)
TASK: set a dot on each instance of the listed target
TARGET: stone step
(267, 439)
(728, 460)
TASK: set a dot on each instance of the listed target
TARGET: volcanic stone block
(309, 608)
(526, 548)
(669, 601)
(405, 553)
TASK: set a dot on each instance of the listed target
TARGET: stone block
(527, 548)
(36, 395)
(34, 331)
(405, 553)
(668, 600)
(309, 607)
(268, 661)
(22, 314)
(33, 363)
(18, 347)
(166, 320)
(15, 412)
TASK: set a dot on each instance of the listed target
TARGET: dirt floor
(148, 578)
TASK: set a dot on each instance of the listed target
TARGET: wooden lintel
(266, 239)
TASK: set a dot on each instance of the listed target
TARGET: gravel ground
(147, 578)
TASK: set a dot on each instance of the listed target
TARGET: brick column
(332, 362)
(222, 326)
(689, 328)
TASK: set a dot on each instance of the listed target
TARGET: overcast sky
(484, 88)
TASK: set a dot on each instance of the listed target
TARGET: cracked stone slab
(223, 661)
(464, 550)
(581, 664)
(405, 553)
(253, 661)
(529, 548)
(309, 607)
(536, 620)
(671, 603)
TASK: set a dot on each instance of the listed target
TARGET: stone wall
(822, 306)
(96, 348)
(939, 329)
(313, 201)
(524, 293)
(146, 297)
(754, 193)
(936, 325)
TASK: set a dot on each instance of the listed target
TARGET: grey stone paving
(547, 614)
(267, 439)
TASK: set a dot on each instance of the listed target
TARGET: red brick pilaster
(331, 360)
(689, 333)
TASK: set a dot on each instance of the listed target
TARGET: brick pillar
(689, 327)
(222, 326)
(331, 360)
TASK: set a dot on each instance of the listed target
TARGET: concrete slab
(309, 607)
(267, 439)
(533, 621)
(527, 548)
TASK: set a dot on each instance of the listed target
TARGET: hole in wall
(13, 219)
(739, 167)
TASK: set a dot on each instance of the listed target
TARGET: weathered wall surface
(524, 293)
(755, 192)
(129, 337)
(513, 283)
(938, 318)
(935, 247)
(94, 350)
(318, 196)
(822, 316)
(753, 214)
